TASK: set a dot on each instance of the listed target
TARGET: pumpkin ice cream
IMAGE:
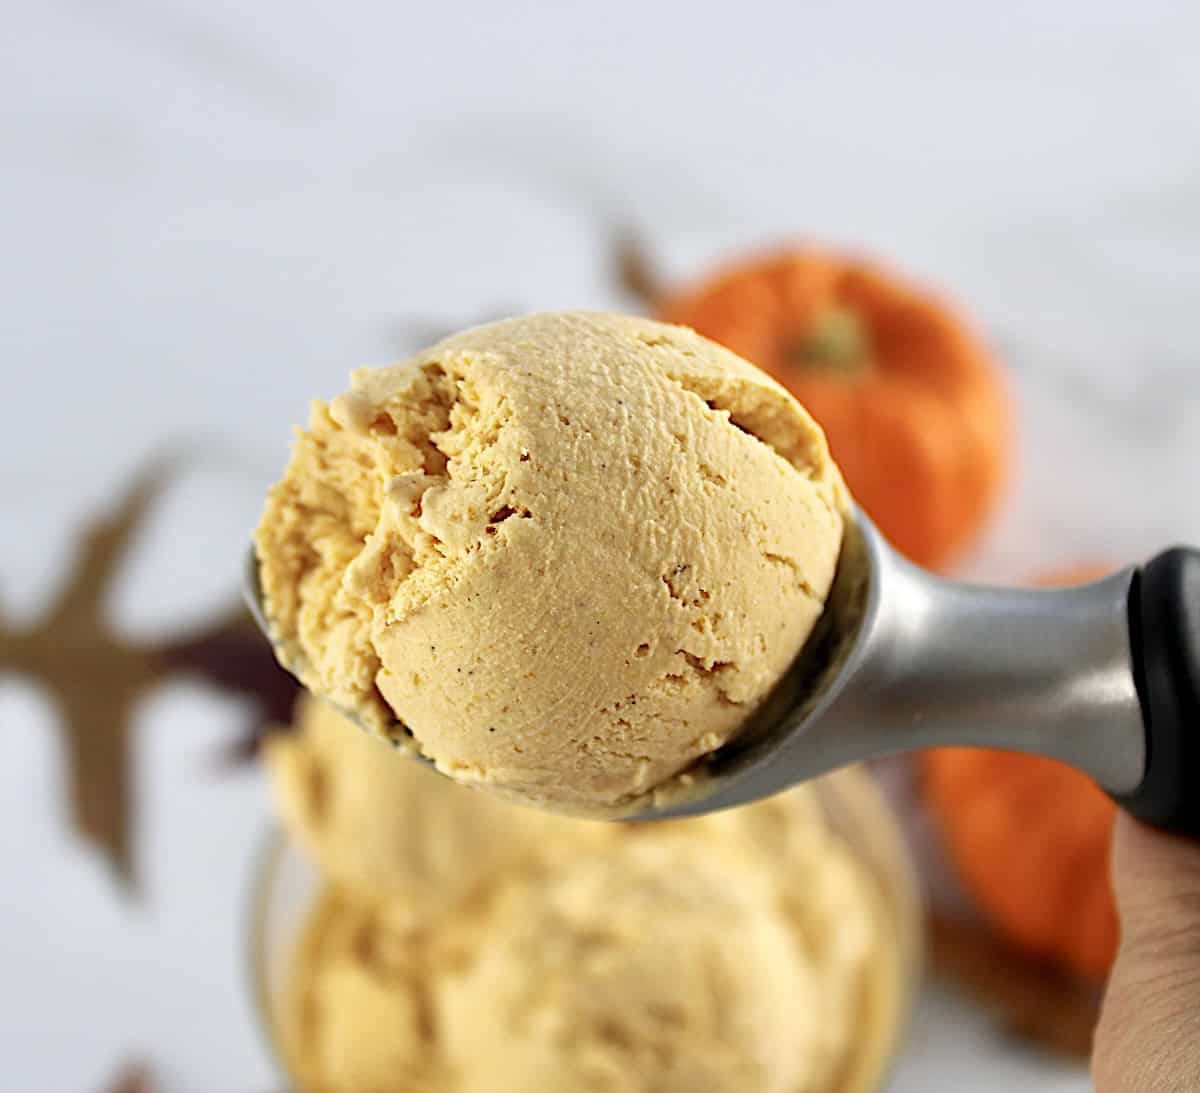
(665, 968)
(390, 829)
(673, 957)
(563, 556)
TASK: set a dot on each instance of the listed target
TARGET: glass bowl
(287, 886)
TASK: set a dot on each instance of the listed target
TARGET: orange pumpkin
(910, 399)
(1029, 838)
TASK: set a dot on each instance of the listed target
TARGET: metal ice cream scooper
(1104, 676)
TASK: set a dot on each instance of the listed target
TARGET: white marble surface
(212, 210)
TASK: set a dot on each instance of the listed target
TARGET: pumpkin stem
(838, 340)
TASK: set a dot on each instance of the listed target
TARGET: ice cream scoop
(563, 556)
(1105, 677)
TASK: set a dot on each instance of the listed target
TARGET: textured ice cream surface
(664, 968)
(358, 1021)
(741, 951)
(392, 829)
(829, 902)
(565, 555)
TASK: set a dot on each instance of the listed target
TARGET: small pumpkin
(910, 399)
(1029, 839)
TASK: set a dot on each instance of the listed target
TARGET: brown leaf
(91, 675)
(102, 550)
(634, 270)
(94, 678)
(232, 655)
(133, 1077)
(1032, 1001)
(99, 753)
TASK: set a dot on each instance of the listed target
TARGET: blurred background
(212, 212)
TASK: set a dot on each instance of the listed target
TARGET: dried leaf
(94, 678)
(233, 656)
(104, 544)
(91, 675)
(1032, 1001)
(634, 270)
(133, 1077)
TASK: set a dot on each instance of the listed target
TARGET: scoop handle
(1164, 626)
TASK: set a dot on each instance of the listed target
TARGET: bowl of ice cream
(773, 948)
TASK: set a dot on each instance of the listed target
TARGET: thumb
(1148, 1039)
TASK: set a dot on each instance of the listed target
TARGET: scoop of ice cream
(357, 1021)
(831, 904)
(664, 968)
(567, 555)
(392, 829)
(740, 951)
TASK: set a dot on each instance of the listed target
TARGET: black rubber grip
(1164, 622)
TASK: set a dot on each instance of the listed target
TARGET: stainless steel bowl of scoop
(1104, 677)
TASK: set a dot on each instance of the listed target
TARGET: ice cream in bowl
(412, 934)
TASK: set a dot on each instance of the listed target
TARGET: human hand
(1148, 1039)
